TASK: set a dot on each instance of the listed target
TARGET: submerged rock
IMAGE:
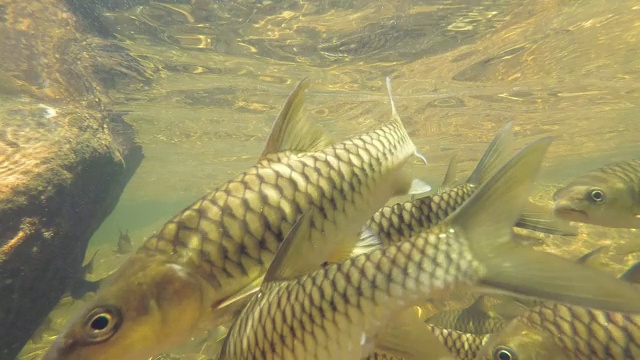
(64, 157)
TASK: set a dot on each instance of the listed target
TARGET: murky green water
(460, 71)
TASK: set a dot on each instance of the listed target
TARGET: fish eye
(597, 196)
(504, 353)
(102, 323)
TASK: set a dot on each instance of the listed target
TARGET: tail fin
(495, 155)
(486, 220)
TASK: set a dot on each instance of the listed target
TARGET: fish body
(557, 331)
(347, 310)
(609, 196)
(200, 268)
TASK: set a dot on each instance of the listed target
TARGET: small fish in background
(124, 243)
(349, 309)
(608, 196)
(557, 331)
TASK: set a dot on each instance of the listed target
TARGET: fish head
(145, 308)
(520, 341)
(597, 199)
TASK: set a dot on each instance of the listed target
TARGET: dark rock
(64, 158)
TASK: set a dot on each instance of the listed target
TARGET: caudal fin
(486, 220)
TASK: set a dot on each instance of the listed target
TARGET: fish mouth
(569, 213)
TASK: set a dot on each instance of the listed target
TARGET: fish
(557, 331)
(124, 243)
(346, 310)
(401, 220)
(608, 197)
(205, 263)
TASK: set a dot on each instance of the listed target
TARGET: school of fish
(305, 255)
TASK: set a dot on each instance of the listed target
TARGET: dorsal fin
(291, 130)
(632, 274)
(452, 172)
(496, 154)
(480, 304)
(297, 254)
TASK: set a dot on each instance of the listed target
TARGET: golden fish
(555, 331)
(347, 310)
(205, 262)
(609, 196)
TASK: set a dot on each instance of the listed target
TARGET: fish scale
(402, 220)
(628, 171)
(456, 319)
(464, 346)
(205, 262)
(586, 334)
